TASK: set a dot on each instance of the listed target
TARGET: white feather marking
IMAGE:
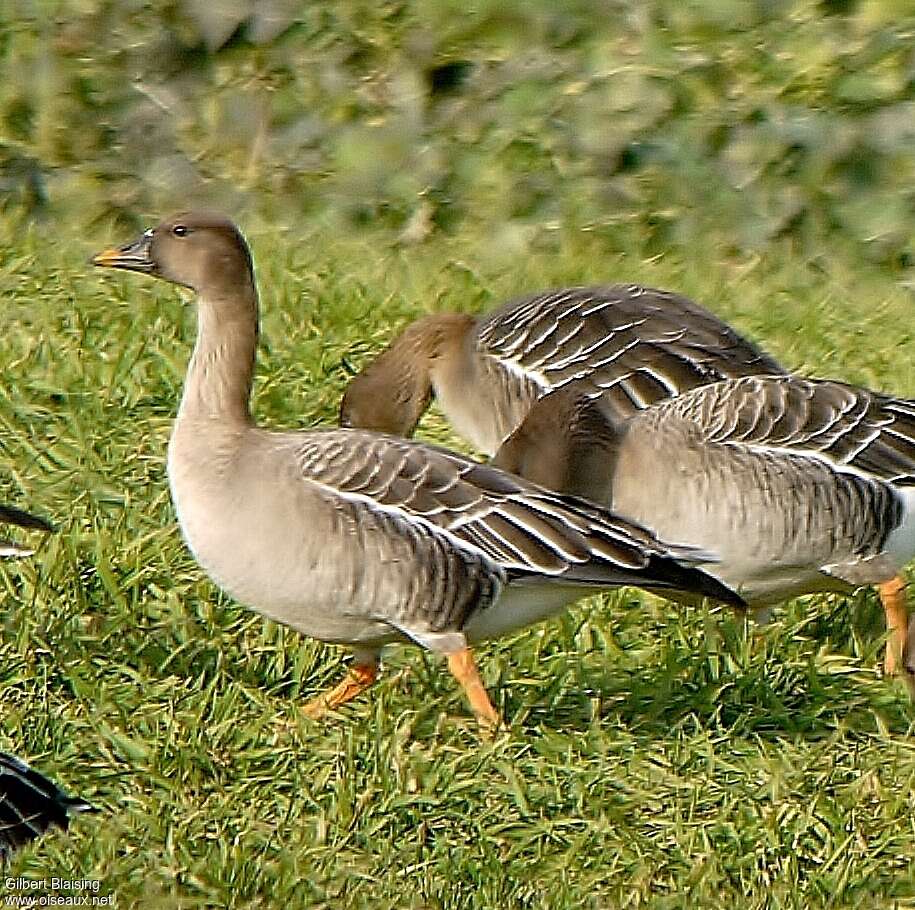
(592, 367)
(11, 549)
(529, 341)
(580, 354)
(519, 522)
(404, 514)
(661, 379)
(438, 530)
(516, 369)
(553, 300)
(438, 642)
(851, 456)
(550, 360)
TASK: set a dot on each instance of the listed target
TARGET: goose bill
(135, 256)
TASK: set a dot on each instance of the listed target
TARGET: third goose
(357, 538)
(798, 485)
(630, 345)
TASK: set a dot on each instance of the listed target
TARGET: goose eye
(179, 230)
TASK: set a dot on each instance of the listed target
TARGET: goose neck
(221, 372)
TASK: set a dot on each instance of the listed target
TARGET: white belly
(520, 606)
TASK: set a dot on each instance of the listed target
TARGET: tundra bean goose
(30, 804)
(357, 538)
(11, 516)
(797, 485)
(629, 345)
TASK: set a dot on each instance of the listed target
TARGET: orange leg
(358, 678)
(464, 669)
(892, 595)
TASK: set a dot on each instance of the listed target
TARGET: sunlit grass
(654, 756)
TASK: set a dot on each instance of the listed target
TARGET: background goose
(352, 537)
(629, 345)
(798, 485)
(12, 516)
(30, 804)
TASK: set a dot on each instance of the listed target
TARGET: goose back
(631, 345)
(851, 428)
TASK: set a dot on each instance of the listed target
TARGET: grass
(655, 756)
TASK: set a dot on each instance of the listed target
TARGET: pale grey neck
(221, 371)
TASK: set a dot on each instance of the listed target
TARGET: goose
(358, 538)
(630, 345)
(30, 804)
(13, 516)
(797, 485)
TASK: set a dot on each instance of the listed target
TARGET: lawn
(654, 756)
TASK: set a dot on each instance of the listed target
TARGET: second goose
(629, 345)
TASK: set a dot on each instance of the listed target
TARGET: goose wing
(849, 427)
(629, 344)
(525, 530)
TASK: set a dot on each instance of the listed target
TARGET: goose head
(201, 251)
(392, 393)
(387, 401)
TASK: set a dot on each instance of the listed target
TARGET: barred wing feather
(630, 344)
(852, 428)
(526, 530)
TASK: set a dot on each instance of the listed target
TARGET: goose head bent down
(357, 538)
(392, 394)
